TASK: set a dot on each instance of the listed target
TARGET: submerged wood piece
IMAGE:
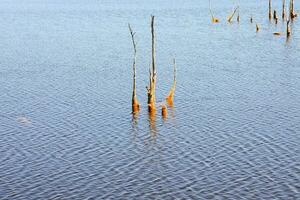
(135, 103)
(251, 19)
(232, 15)
(170, 97)
(152, 75)
(238, 17)
(270, 10)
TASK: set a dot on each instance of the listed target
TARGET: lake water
(66, 129)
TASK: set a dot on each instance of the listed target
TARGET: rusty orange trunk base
(135, 106)
(164, 111)
(170, 98)
(151, 108)
(215, 20)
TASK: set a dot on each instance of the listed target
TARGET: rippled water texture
(66, 129)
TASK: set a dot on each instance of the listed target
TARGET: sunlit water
(66, 129)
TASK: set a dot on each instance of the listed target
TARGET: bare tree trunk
(170, 97)
(231, 16)
(275, 17)
(291, 10)
(135, 103)
(283, 9)
(270, 10)
(152, 83)
(238, 17)
(288, 31)
(164, 111)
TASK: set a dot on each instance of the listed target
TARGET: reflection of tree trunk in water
(135, 103)
(170, 97)
(152, 76)
(134, 119)
(152, 125)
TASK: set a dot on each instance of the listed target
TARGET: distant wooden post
(135, 103)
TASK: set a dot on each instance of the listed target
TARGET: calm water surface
(66, 129)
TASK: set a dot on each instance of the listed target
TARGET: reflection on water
(152, 126)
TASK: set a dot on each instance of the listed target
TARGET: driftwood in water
(152, 76)
(257, 27)
(270, 10)
(238, 17)
(135, 103)
(231, 16)
(170, 97)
